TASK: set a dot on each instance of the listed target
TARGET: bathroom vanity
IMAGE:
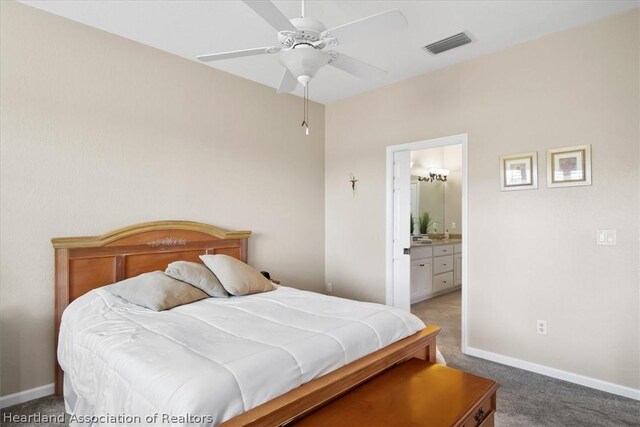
(436, 268)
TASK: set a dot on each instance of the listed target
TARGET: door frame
(421, 145)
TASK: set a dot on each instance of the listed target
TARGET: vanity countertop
(436, 242)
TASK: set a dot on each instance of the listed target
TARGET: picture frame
(519, 171)
(569, 166)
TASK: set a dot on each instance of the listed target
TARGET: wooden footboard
(304, 399)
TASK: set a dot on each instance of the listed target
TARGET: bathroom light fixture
(436, 174)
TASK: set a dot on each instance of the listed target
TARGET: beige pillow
(237, 277)
(197, 275)
(156, 291)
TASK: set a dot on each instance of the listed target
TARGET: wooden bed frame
(86, 263)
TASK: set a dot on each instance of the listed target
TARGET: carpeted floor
(525, 399)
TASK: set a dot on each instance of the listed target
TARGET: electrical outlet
(329, 287)
(453, 225)
(541, 327)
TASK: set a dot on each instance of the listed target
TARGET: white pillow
(156, 291)
(197, 275)
(237, 277)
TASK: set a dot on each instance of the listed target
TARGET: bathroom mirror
(441, 199)
(430, 198)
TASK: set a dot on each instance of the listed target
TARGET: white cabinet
(421, 279)
(421, 252)
(421, 273)
(435, 269)
(441, 250)
(442, 264)
(443, 268)
(443, 282)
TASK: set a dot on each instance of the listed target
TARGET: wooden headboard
(86, 263)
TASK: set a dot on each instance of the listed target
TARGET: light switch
(453, 225)
(606, 237)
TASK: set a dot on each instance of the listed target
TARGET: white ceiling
(188, 28)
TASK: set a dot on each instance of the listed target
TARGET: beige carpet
(526, 399)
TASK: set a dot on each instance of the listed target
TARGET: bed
(263, 359)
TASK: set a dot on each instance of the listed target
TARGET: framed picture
(569, 166)
(519, 171)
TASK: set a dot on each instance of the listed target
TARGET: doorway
(401, 192)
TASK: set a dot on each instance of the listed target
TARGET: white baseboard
(25, 396)
(597, 384)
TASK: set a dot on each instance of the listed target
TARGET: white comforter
(211, 360)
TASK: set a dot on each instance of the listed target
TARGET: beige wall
(532, 253)
(99, 132)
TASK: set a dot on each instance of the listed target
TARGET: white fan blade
(238, 53)
(270, 13)
(357, 67)
(364, 28)
(288, 83)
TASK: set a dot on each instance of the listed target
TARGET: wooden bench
(414, 393)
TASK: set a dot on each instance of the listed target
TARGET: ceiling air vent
(448, 43)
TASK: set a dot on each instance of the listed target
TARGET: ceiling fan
(303, 42)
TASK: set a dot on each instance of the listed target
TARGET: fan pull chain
(305, 119)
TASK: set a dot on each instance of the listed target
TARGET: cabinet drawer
(443, 250)
(482, 414)
(457, 248)
(420, 252)
(488, 421)
(442, 264)
(442, 281)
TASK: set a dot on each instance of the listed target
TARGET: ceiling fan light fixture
(309, 28)
(302, 41)
(303, 62)
(304, 79)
